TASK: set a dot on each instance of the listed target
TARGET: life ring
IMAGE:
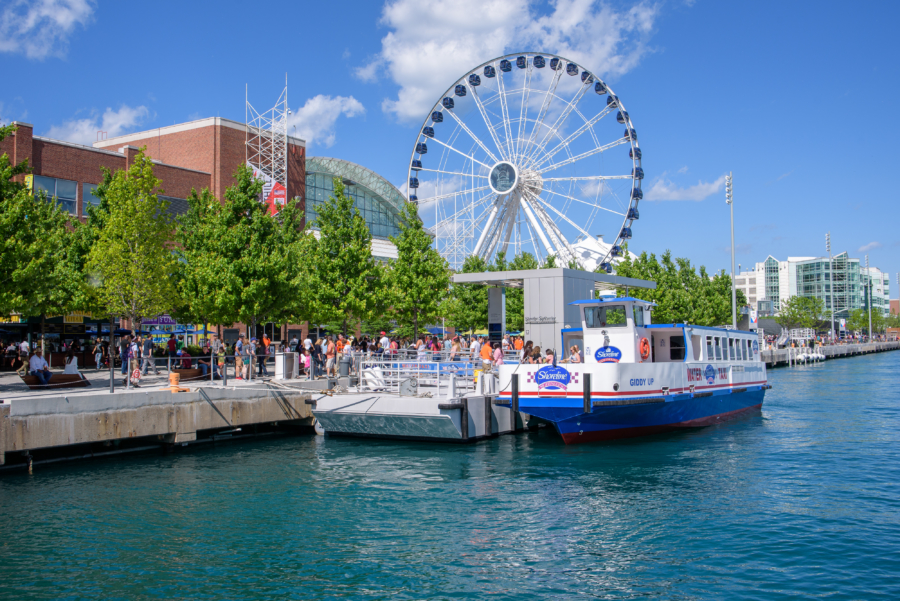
(645, 348)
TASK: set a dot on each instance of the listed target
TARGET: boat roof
(611, 299)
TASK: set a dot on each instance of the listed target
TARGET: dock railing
(408, 373)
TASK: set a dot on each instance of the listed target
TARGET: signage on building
(540, 320)
(29, 184)
(159, 320)
(274, 194)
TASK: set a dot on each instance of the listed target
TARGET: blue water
(798, 502)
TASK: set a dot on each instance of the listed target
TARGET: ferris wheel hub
(504, 177)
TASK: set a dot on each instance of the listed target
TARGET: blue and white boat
(639, 378)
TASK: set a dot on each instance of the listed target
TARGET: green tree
(858, 321)
(39, 259)
(682, 294)
(344, 281)
(238, 262)
(418, 279)
(466, 306)
(800, 312)
(131, 259)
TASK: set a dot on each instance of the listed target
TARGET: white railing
(391, 372)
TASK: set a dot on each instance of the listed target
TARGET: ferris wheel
(522, 154)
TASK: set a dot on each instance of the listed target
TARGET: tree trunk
(416, 326)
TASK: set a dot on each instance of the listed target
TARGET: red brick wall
(192, 149)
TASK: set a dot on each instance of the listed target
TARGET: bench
(57, 381)
(188, 375)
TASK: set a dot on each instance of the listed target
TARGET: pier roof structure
(517, 278)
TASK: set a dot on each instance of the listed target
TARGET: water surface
(800, 501)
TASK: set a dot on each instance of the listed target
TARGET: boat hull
(612, 422)
(627, 418)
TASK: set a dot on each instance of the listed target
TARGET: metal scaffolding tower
(266, 140)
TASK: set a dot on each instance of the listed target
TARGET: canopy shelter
(548, 293)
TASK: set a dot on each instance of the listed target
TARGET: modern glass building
(840, 282)
(379, 202)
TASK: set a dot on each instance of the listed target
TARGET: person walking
(315, 351)
(260, 350)
(172, 346)
(147, 356)
(498, 354)
(124, 344)
(98, 354)
(330, 353)
(246, 357)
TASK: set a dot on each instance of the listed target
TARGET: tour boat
(637, 377)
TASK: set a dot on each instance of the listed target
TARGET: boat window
(718, 349)
(639, 316)
(731, 348)
(609, 316)
(744, 350)
(676, 348)
(709, 348)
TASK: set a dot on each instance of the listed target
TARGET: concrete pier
(788, 356)
(144, 417)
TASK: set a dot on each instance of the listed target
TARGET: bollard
(112, 375)
(212, 366)
(588, 405)
(515, 396)
(225, 371)
(169, 364)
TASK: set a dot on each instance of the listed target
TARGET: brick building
(195, 155)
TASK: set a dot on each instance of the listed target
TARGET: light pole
(729, 199)
(869, 295)
(830, 280)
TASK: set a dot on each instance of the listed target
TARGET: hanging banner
(754, 318)
(274, 194)
(843, 324)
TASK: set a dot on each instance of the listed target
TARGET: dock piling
(588, 406)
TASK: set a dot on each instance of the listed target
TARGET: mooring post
(112, 374)
(515, 395)
(586, 392)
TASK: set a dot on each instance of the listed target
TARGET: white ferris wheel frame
(498, 214)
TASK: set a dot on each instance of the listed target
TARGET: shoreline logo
(608, 354)
(710, 374)
(552, 378)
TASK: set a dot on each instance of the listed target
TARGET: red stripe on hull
(575, 437)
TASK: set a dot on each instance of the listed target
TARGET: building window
(88, 198)
(63, 190)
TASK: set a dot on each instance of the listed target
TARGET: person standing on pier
(330, 351)
(147, 355)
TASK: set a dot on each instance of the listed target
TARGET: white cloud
(683, 169)
(41, 28)
(315, 120)
(432, 44)
(870, 246)
(663, 189)
(114, 123)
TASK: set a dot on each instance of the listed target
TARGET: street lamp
(830, 280)
(729, 199)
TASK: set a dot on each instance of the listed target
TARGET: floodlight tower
(830, 280)
(869, 294)
(729, 199)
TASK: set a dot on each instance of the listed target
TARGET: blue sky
(795, 98)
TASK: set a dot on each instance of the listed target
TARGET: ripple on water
(798, 501)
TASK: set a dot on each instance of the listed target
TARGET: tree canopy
(418, 279)
(801, 312)
(131, 259)
(682, 294)
(344, 281)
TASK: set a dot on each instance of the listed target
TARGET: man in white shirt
(476, 350)
(385, 342)
(39, 367)
(307, 344)
(23, 348)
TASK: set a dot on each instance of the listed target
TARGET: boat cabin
(620, 329)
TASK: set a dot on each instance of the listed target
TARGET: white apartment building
(840, 282)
